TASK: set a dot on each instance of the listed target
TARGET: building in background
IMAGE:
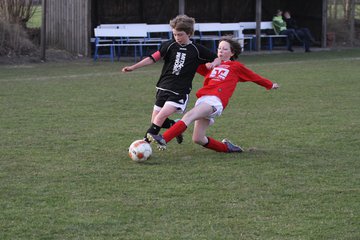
(70, 23)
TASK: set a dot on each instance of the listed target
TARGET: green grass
(65, 173)
(35, 20)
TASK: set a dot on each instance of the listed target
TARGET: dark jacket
(291, 23)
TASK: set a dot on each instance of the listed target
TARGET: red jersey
(221, 81)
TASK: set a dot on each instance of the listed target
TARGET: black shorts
(178, 100)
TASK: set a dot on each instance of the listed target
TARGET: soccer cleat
(232, 147)
(158, 139)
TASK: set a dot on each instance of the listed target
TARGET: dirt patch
(52, 55)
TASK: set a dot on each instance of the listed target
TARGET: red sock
(175, 130)
(216, 145)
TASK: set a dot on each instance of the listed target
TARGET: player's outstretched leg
(158, 139)
(232, 147)
(224, 146)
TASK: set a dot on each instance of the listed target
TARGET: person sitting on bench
(280, 28)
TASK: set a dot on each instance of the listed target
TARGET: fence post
(324, 23)
(352, 22)
(258, 25)
(181, 7)
(43, 32)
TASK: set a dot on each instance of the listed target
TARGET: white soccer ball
(140, 151)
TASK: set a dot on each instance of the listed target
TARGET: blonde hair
(183, 23)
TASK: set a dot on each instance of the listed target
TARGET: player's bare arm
(142, 63)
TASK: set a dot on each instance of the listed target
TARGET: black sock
(168, 123)
(153, 129)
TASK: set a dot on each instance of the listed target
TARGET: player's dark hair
(183, 23)
(234, 47)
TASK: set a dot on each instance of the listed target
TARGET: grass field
(65, 173)
(35, 21)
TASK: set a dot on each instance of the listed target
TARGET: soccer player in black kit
(181, 58)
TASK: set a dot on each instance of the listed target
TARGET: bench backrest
(131, 29)
(252, 25)
(123, 25)
(248, 25)
(120, 32)
(229, 26)
(158, 28)
(266, 25)
(234, 27)
(209, 27)
(142, 29)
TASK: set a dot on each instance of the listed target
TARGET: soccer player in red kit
(219, 85)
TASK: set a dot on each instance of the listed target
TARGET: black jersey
(180, 64)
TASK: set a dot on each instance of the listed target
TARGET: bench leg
(118, 53)
(96, 49)
(141, 52)
(253, 43)
(135, 53)
(112, 53)
(96, 53)
(250, 44)
(287, 43)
